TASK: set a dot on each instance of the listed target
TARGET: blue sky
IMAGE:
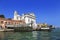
(46, 11)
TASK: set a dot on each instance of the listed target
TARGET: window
(17, 18)
(28, 20)
(5, 22)
(15, 23)
(1, 22)
(8, 22)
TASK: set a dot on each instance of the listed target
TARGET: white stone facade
(16, 16)
(29, 18)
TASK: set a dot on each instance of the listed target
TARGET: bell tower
(15, 15)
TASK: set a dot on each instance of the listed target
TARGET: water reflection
(35, 35)
(44, 35)
(1, 35)
(41, 35)
(4, 35)
(15, 35)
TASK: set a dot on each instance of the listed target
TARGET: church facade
(29, 18)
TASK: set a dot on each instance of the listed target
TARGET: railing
(18, 25)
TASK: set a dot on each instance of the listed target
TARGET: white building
(16, 16)
(29, 18)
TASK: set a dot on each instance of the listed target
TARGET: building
(16, 16)
(29, 18)
(42, 25)
(4, 22)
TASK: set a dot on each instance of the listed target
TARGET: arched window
(5, 22)
(28, 20)
(1, 22)
(8, 22)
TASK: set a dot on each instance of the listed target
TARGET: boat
(45, 29)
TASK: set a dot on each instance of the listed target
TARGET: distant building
(42, 25)
(29, 18)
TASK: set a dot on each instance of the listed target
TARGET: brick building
(4, 22)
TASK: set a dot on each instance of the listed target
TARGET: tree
(2, 16)
(9, 19)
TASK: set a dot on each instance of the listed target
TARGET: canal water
(35, 35)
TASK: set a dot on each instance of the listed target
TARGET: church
(29, 18)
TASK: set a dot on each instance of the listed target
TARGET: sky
(46, 11)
